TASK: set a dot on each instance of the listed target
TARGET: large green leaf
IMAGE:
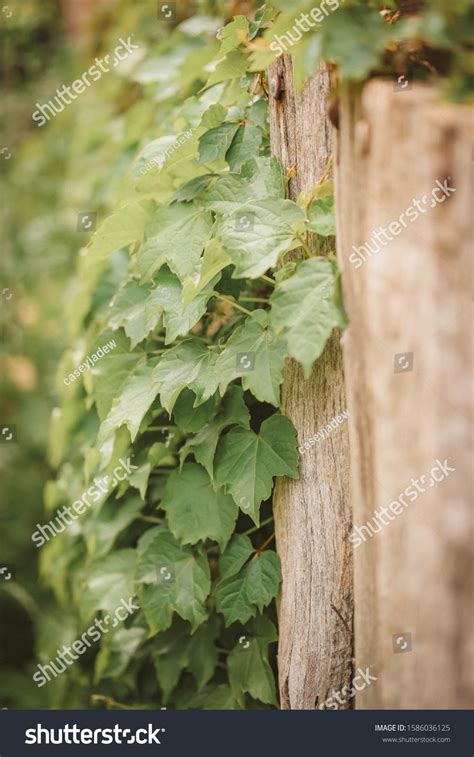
(137, 394)
(241, 595)
(249, 669)
(195, 511)
(233, 411)
(262, 369)
(233, 65)
(138, 309)
(246, 142)
(214, 143)
(213, 261)
(235, 556)
(259, 179)
(246, 462)
(108, 582)
(179, 318)
(121, 228)
(190, 364)
(256, 234)
(304, 310)
(117, 652)
(233, 34)
(146, 460)
(173, 578)
(175, 650)
(107, 377)
(101, 531)
(353, 37)
(189, 418)
(176, 235)
(322, 218)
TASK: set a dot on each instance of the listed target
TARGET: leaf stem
(257, 528)
(267, 279)
(304, 245)
(234, 304)
(267, 542)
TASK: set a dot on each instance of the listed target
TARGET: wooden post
(408, 363)
(312, 515)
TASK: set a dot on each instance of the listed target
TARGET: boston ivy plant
(191, 275)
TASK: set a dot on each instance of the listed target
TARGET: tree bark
(312, 515)
(408, 362)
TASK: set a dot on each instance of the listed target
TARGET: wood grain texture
(312, 515)
(413, 296)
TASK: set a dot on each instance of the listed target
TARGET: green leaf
(146, 460)
(234, 411)
(108, 582)
(137, 394)
(100, 532)
(239, 596)
(322, 219)
(174, 579)
(232, 66)
(213, 261)
(249, 669)
(203, 654)
(176, 235)
(214, 143)
(218, 697)
(246, 462)
(137, 309)
(353, 37)
(305, 312)
(179, 317)
(190, 364)
(193, 188)
(170, 657)
(195, 511)
(175, 650)
(259, 179)
(256, 234)
(235, 556)
(107, 377)
(189, 418)
(232, 35)
(246, 142)
(266, 354)
(117, 652)
(120, 229)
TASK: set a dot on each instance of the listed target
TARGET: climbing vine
(192, 279)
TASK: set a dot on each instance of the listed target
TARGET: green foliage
(189, 393)
(203, 272)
